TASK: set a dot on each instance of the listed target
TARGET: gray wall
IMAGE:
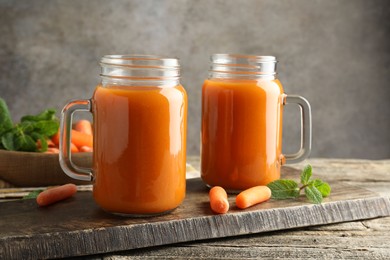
(335, 53)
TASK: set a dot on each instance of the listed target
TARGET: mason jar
(139, 145)
(241, 128)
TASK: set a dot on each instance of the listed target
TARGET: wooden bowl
(32, 169)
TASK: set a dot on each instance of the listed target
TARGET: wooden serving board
(77, 226)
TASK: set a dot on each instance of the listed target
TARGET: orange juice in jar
(241, 132)
(140, 123)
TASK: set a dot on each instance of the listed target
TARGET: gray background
(335, 53)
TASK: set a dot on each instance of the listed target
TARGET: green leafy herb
(47, 115)
(5, 119)
(25, 135)
(33, 194)
(315, 190)
(284, 189)
(306, 174)
(323, 187)
(313, 194)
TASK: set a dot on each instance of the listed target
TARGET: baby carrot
(253, 196)
(50, 143)
(78, 139)
(56, 138)
(73, 148)
(218, 200)
(83, 126)
(55, 194)
(52, 150)
(85, 149)
(81, 139)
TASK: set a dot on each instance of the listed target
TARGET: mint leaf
(306, 174)
(33, 194)
(5, 118)
(323, 187)
(17, 140)
(313, 194)
(284, 189)
(46, 127)
(7, 141)
(24, 142)
(24, 135)
(48, 114)
(25, 127)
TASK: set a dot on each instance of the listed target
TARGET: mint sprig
(24, 136)
(315, 190)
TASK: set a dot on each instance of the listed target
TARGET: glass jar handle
(72, 170)
(306, 132)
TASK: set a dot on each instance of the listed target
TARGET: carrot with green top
(218, 200)
(253, 196)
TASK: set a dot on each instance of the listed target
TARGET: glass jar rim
(239, 66)
(140, 60)
(221, 58)
(140, 70)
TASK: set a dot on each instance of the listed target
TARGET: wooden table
(367, 239)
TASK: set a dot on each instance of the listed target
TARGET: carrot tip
(218, 200)
(220, 206)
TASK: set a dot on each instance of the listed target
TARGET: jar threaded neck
(237, 66)
(140, 70)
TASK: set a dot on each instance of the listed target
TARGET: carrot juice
(241, 132)
(140, 148)
(139, 136)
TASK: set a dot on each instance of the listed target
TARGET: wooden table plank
(351, 240)
(78, 227)
(340, 240)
